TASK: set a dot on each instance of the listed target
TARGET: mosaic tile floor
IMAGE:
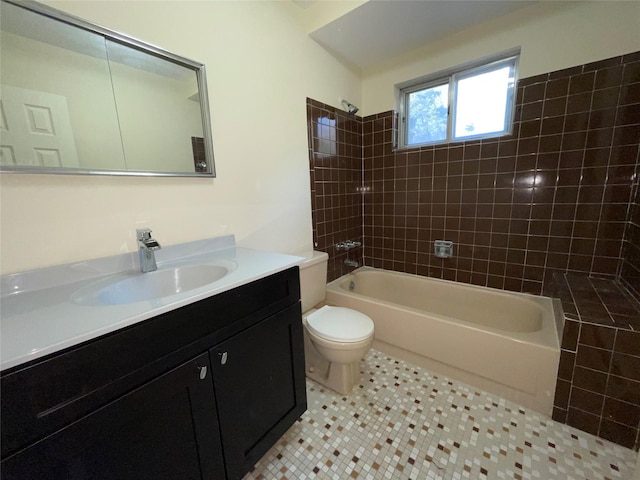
(406, 423)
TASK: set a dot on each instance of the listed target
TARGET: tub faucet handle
(443, 248)
(347, 245)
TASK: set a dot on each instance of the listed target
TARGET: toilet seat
(340, 324)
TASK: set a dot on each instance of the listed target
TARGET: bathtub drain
(352, 285)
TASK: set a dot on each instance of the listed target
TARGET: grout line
(606, 386)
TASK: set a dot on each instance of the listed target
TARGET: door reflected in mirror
(76, 98)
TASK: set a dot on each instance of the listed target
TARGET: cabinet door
(259, 384)
(165, 429)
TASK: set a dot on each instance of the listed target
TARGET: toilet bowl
(339, 334)
(335, 338)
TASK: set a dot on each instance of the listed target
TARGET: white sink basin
(140, 287)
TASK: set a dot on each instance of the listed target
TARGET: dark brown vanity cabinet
(214, 386)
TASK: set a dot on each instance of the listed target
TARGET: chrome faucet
(146, 248)
(350, 263)
(347, 245)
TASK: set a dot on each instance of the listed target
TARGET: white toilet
(335, 338)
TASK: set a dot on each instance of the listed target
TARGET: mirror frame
(197, 67)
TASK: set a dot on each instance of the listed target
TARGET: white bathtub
(502, 342)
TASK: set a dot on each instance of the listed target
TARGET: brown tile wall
(554, 196)
(630, 274)
(335, 162)
(598, 387)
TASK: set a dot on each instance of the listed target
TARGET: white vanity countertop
(38, 316)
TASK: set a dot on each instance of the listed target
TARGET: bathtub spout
(351, 263)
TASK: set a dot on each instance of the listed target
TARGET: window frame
(451, 77)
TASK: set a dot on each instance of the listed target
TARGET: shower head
(349, 107)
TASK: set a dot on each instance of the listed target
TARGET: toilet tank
(313, 279)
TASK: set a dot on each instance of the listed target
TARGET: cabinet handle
(203, 372)
(223, 358)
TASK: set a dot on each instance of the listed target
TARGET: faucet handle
(347, 245)
(144, 237)
(143, 234)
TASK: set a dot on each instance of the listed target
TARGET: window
(469, 103)
(326, 136)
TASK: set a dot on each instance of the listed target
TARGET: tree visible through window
(427, 115)
(481, 99)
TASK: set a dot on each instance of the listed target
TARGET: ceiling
(381, 29)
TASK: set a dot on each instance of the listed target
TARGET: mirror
(76, 98)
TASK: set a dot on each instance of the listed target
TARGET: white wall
(261, 66)
(553, 35)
